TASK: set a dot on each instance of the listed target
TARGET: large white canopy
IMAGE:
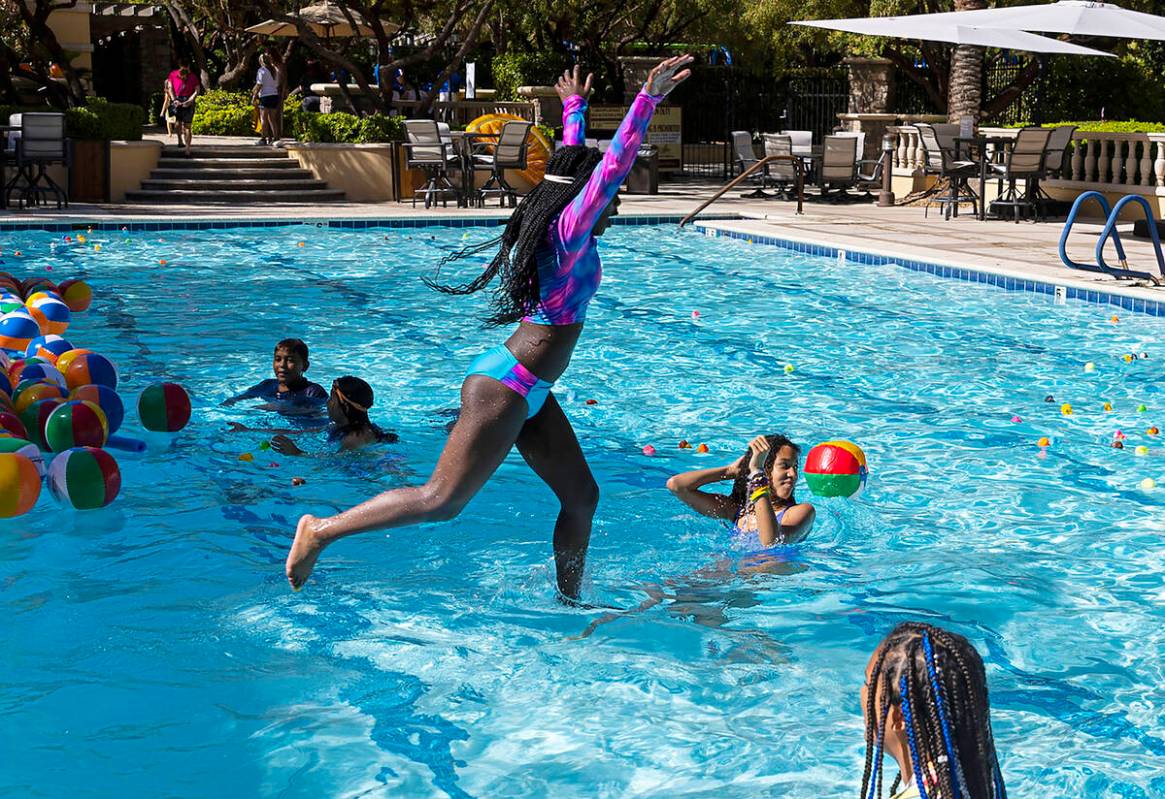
(1078, 17)
(941, 28)
(326, 19)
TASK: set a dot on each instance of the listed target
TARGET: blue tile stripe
(137, 226)
(1008, 283)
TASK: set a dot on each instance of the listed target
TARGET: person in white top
(266, 93)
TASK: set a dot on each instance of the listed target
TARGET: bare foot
(305, 550)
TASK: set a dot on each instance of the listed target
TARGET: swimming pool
(153, 648)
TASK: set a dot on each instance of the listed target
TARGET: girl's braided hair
(518, 293)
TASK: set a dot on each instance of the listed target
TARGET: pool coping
(1129, 298)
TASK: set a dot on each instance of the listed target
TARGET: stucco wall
(130, 162)
(362, 171)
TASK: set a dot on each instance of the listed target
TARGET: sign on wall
(665, 130)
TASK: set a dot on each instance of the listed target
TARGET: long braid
(941, 688)
(518, 293)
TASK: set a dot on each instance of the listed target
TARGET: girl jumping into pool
(762, 498)
(548, 265)
(925, 704)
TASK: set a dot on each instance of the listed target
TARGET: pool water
(153, 648)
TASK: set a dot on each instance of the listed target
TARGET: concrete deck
(1024, 250)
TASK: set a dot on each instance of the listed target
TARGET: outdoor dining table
(465, 142)
(980, 143)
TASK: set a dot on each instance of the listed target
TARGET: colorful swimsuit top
(568, 262)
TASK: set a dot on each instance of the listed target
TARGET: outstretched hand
(285, 446)
(571, 84)
(667, 75)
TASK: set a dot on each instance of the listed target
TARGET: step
(215, 173)
(240, 151)
(234, 198)
(212, 184)
(229, 163)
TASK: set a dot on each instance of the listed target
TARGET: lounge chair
(780, 174)
(41, 144)
(745, 158)
(509, 153)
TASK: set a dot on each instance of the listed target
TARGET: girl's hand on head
(736, 468)
(667, 75)
(759, 452)
(571, 84)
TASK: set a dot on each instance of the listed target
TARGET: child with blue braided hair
(925, 704)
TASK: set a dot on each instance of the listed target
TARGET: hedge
(525, 69)
(97, 120)
(1107, 126)
(223, 113)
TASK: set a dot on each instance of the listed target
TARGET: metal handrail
(798, 167)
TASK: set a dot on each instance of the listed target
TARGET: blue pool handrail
(1111, 214)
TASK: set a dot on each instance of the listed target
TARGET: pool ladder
(1110, 231)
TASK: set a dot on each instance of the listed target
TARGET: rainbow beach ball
(77, 294)
(76, 423)
(89, 367)
(35, 416)
(51, 314)
(164, 407)
(67, 357)
(836, 469)
(35, 369)
(31, 391)
(10, 302)
(85, 478)
(17, 330)
(19, 484)
(20, 446)
(105, 398)
(48, 347)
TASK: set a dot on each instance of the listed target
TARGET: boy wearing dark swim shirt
(289, 390)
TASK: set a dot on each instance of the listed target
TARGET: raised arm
(578, 219)
(687, 487)
(574, 93)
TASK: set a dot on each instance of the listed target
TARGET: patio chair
(1054, 156)
(841, 168)
(780, 174)
(745, 158)
(860, 136)
(802, 141)
(1024, 162)
(426, 151)
(509, 153)
(41, 144)
(941, 161)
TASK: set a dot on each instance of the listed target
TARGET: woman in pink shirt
(184, 87)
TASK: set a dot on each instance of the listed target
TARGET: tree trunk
(965, 95)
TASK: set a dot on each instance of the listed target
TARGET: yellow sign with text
(665, 130)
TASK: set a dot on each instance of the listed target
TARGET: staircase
(226, 175)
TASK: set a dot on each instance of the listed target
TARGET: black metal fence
(911, 98)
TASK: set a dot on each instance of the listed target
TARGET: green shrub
(336, 127)
(97, 120)
(379, 128)
(223, 122)
(525, 69)
(221, 98)
(1107, 126)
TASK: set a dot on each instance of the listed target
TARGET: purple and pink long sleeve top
(569, 270)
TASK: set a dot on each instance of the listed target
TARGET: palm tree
(965, 96)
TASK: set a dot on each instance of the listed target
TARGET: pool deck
(1023, 250)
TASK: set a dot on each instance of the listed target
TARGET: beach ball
(105, 398)
(35, 369)
(164, 407)
(34, 417)
(17, 330)
(19, 484)
(5, 402)
(41, 295)
(84, 477)
(21, 446)
(5, 384)
(32, 391)
(10, 423)
(76, 423)
(66, 358)
(77, 294)
(32, 284)
(51, 314)
(10, 302)
(48, 347)
(836, 469)
(90, 367)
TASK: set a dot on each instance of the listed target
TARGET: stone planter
(89, 174)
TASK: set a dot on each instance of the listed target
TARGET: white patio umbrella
(929, 27)
(1077, 17)
(327, 20)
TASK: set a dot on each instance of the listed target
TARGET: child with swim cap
(289, 391)
(924, 701)
(762, 498)
(350, 426)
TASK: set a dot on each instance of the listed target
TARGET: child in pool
(350, 426)
(289, 391)
(762, 498)
(925, 704)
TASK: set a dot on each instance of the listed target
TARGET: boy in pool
(350, 426)
(289, 391)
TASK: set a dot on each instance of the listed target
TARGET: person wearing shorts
(266, 93)
(185, 87)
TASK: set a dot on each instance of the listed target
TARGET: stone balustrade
(1132, 162)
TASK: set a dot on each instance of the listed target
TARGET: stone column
(547, 106)
(871, 85)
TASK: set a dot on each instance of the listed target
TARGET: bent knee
(584, 498)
